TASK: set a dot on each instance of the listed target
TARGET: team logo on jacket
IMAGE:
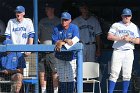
(14, 59)
(69, 35)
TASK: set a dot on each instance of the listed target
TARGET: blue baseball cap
(65, 15)
(126, 11)
(7, 41)
(20, 9)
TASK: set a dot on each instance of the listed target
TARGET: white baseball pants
(121, 60)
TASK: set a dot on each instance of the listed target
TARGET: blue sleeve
(76, 31)
(8, 37)
(31, 35)
(55, 36)
(21, 61)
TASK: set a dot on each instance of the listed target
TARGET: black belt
(123, 49)
(90, 43)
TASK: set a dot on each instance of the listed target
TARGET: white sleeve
(30, 27)
(113, 29)
(137, 34)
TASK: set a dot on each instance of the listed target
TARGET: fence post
(80, 71)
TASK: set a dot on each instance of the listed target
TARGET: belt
(123, 49)
(126, 49)
(90, 43)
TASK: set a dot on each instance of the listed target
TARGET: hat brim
(65, 18)
(17, 11)
(127, 14)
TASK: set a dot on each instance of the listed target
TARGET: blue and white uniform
(123, 56)
(66, 61)
(123, 51)
(122, 33)
(19, 32)
(120, 29)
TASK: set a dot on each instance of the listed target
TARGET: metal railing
(50, 48)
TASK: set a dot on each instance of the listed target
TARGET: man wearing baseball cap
(20, 9)
(65, 20)
(20, 29)
(126, 12)
(66, 61)
(20, 13)
(125, 35)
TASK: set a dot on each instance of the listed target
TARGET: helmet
(126, 11)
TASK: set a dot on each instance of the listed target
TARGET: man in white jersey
(90, 31)
(45, 35)
(124, 34)
(20, 30)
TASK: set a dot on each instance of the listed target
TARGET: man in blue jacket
(66, 61)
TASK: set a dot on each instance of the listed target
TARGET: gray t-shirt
(45, 28)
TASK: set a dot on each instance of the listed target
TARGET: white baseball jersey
(19, 31)
(88, 28)
(123, 56)
(120, 29)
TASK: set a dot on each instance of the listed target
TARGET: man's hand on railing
(68, 41)
(59, 45)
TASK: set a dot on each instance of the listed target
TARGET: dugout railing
(50, 48)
